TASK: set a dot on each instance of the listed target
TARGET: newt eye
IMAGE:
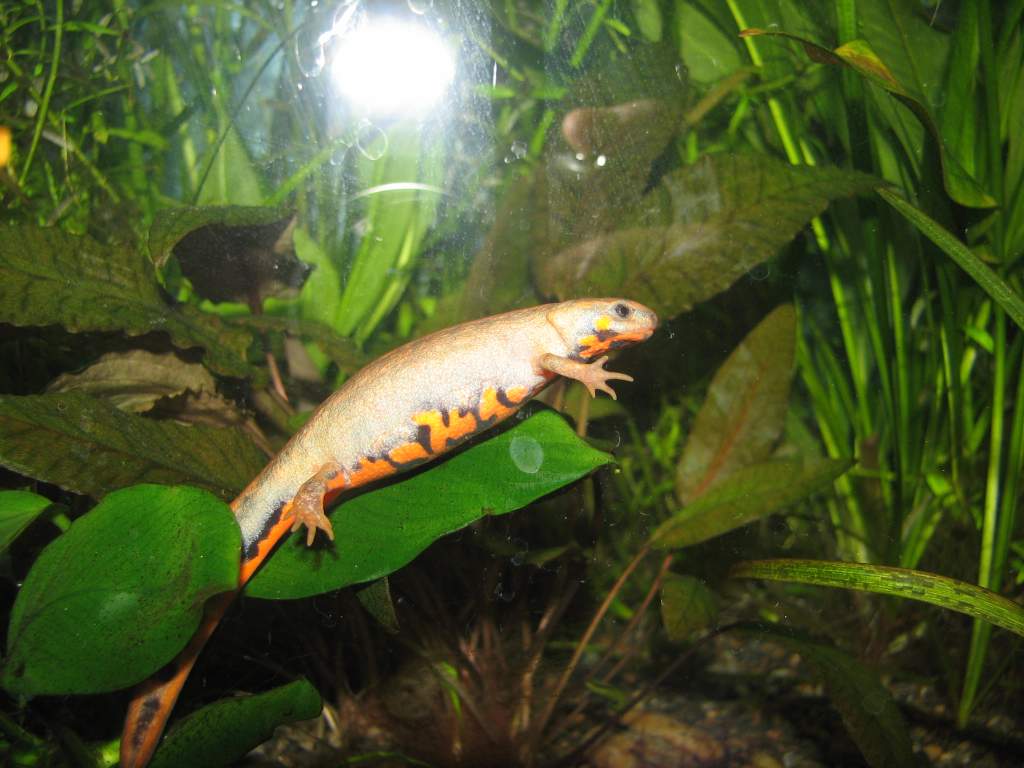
(621, 310)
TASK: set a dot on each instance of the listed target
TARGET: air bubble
(371, 141)
(420, 7)
(309, 52)
(338, 156)
(527, 454)
(519, 149)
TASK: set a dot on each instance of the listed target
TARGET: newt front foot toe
(595, 378)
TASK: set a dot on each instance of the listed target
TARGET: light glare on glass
(392, 67)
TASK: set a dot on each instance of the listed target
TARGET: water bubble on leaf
(527, 454)
(371, 141)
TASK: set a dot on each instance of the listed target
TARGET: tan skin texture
(407, 407)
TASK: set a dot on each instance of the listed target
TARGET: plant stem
(44, 105)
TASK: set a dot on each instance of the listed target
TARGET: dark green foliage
(48, 277)
(92, 618)
(89, 446)
(225, 731)
(832, 192)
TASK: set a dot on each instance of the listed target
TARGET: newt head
(592, 327)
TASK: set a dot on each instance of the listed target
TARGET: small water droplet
(601, 161)
(519, 149)
(420, 7)
(371, 141)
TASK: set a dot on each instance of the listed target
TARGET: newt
(405, 408)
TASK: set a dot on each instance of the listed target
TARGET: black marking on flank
(503, 399)
(423, 437)
(446, 417)
(252, 548)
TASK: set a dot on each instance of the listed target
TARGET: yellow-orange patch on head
(604, 322)
(592, 346)
(408, 452)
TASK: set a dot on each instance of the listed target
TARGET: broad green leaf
(318, 300)
(745, 409)
(748, 494)
(48, 277)
(90, 447)
(232, 177)
(709, 54)
(648, 18)
(859, 56)
(380, 531)
(704, 227)
(225, 731)
(119, 594)
(17, 511)
(872, 717)
(399, 195)
(1001, 292)
(952, 594)
(136, 379)
(687, 607)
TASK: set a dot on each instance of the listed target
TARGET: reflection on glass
(392, 67)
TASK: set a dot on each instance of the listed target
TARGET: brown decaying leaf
(745, 408)
(136, 379)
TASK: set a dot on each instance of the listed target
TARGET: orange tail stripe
(154, 699)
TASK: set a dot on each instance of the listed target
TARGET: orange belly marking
(370, 470)
(408, 452)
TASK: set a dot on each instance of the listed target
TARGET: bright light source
(392, 67)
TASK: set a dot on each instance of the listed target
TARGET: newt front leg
(592, 375)
(307, 507)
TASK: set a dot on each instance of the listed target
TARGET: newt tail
(405, 408)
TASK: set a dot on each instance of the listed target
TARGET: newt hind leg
(307, 506)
